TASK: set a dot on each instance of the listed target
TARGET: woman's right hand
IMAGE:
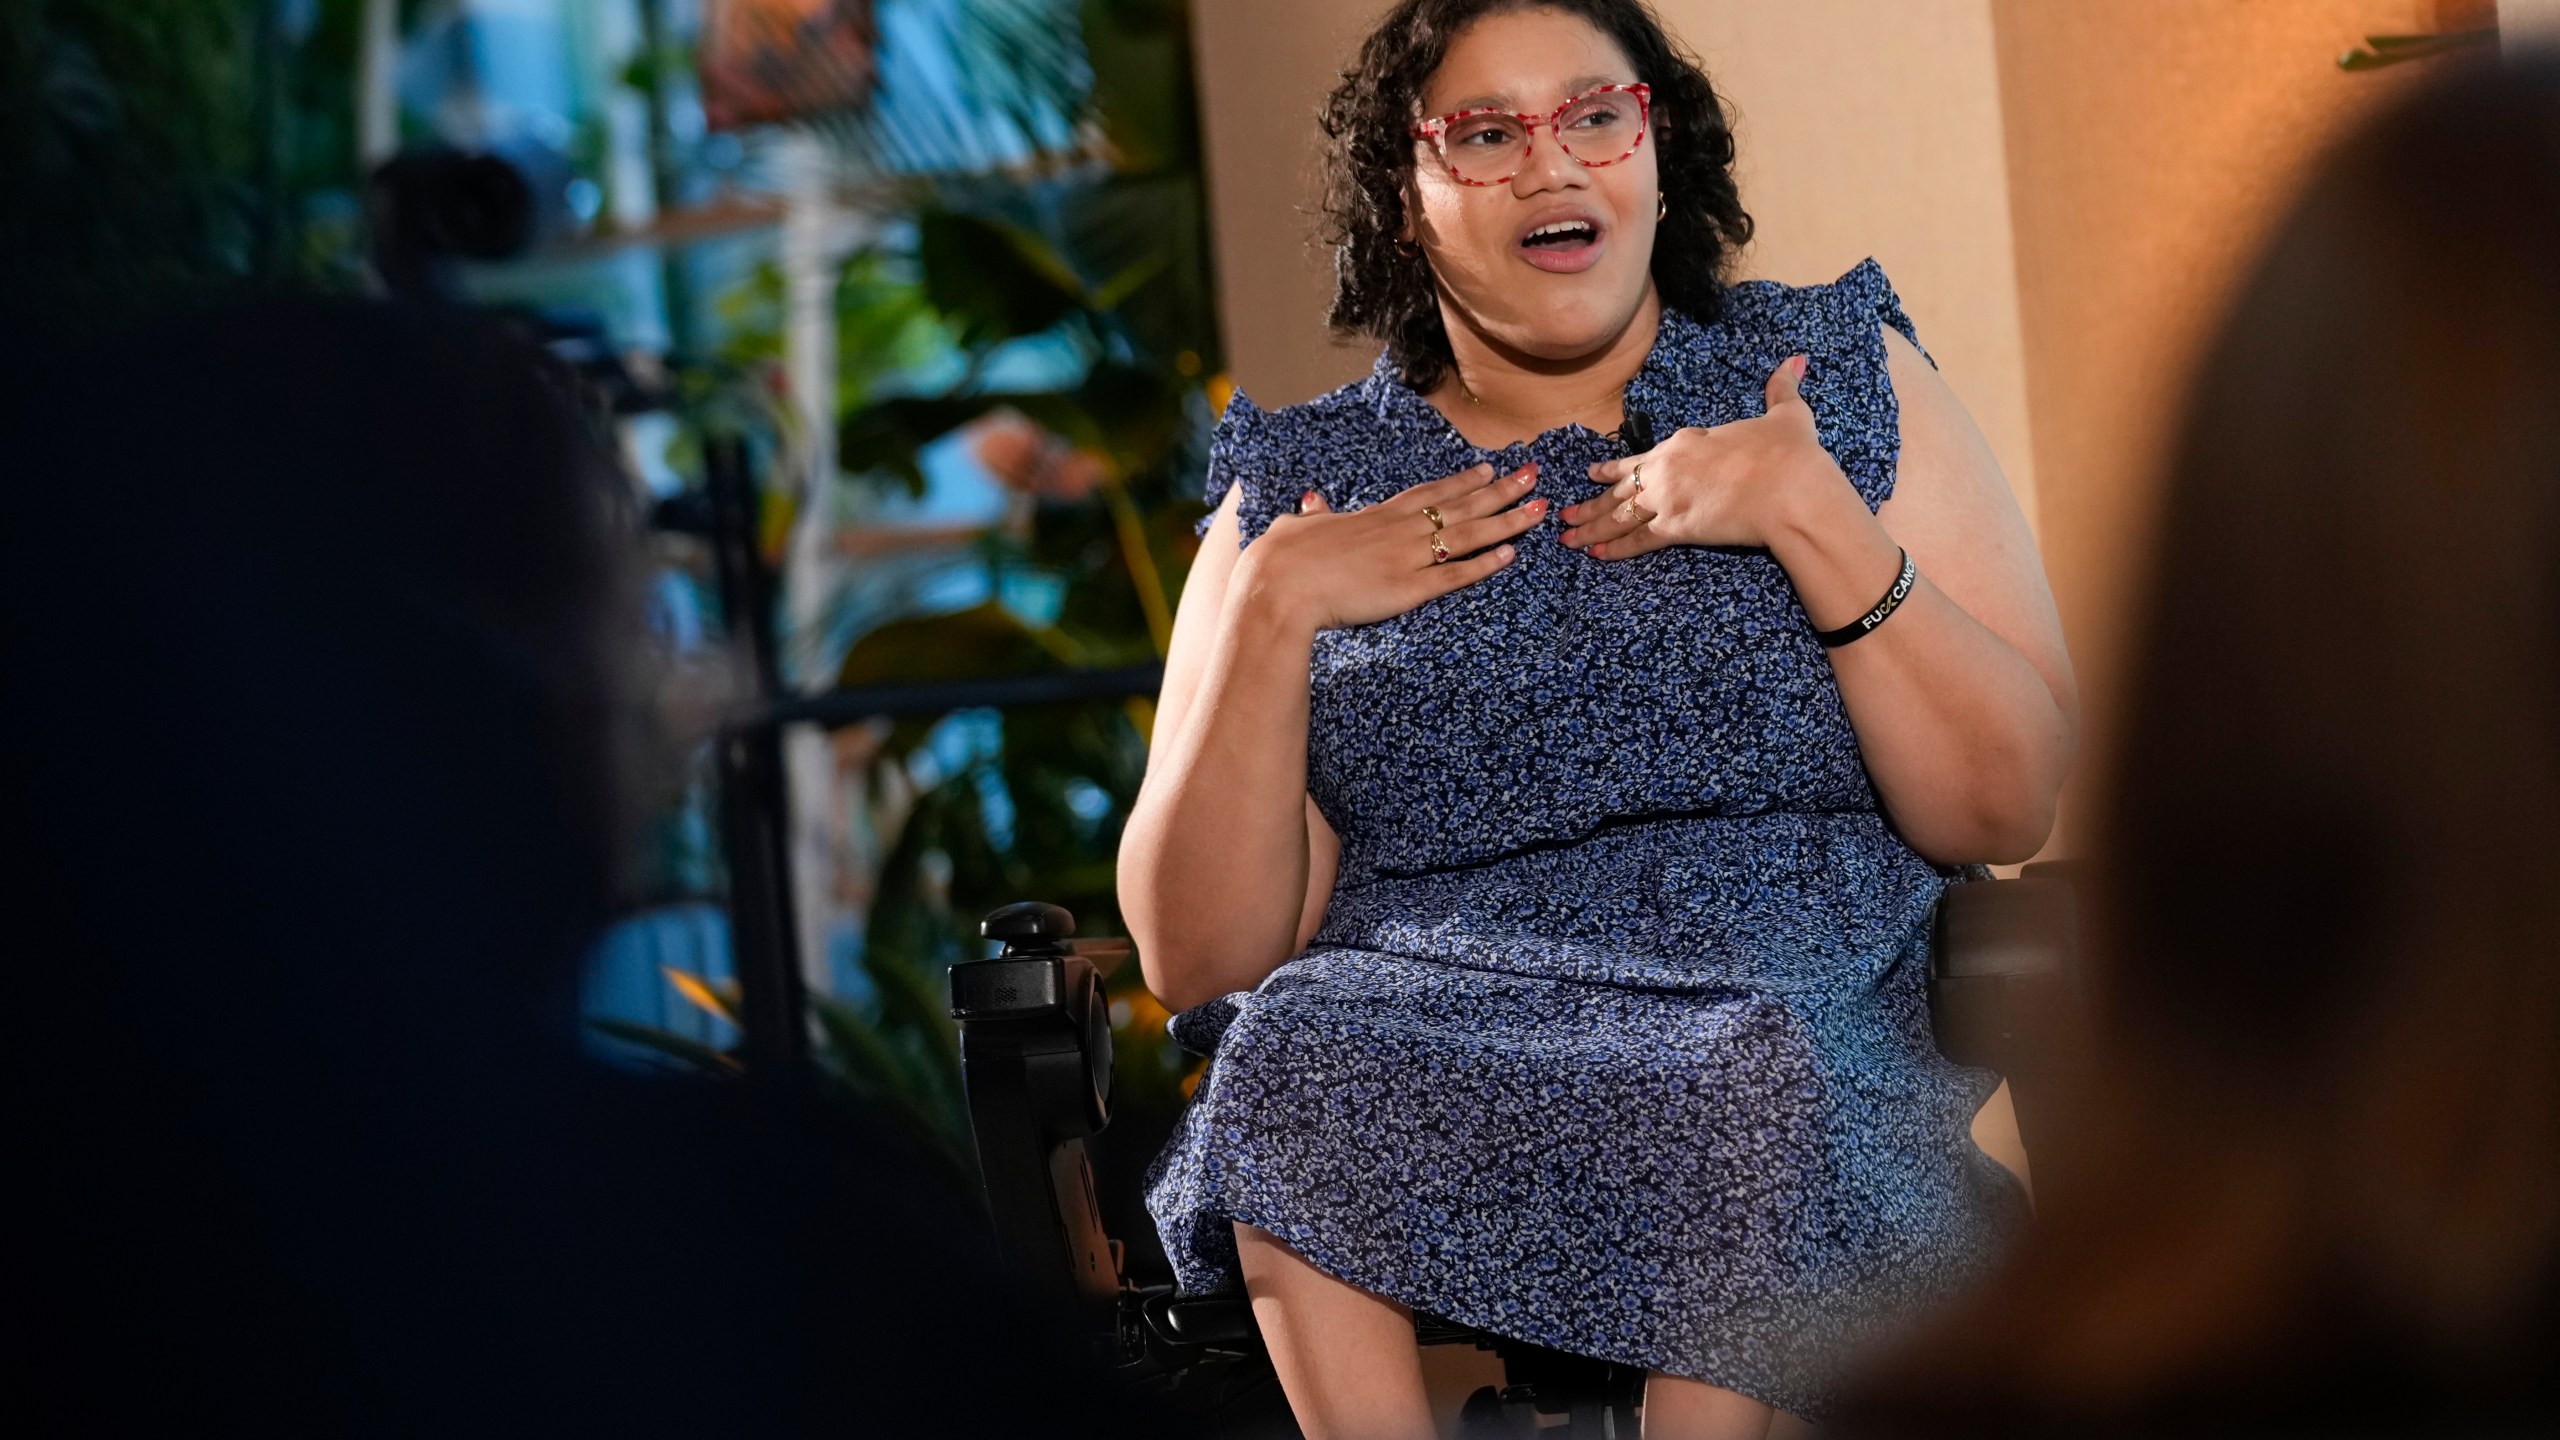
(1328, 570)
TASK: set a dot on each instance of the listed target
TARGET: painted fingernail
(1599, 552)
(1306, 500)
(1802, 363)
(1535, 507)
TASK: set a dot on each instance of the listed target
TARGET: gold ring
(1639, 479)
(1439, 549)
(1432, 514)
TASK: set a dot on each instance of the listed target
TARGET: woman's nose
(1547, 167)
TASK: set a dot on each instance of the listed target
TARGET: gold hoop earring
(1663, 210)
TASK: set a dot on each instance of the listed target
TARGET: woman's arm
(1964, 703)
(1967, 717)
(1225, 865)
(1214, 915)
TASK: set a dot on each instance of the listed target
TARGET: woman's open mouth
(1562, 245)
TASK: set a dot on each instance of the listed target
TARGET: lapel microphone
(1637, 432)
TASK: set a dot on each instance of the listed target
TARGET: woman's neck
(1496, 395)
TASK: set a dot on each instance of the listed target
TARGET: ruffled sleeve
(1866, 298)
(1851, 385)
(1246, 454)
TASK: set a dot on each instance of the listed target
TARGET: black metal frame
(754, 793)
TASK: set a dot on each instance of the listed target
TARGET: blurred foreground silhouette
(2315, 1185)
(324, 686)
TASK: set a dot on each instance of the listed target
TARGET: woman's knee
(1995, 1133)
(1682, 1409)
(1270, 1265)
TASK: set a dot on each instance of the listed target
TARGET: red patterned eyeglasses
(1486, 146)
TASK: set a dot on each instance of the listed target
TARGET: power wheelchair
(1035, 1053)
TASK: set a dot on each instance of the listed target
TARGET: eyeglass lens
(1596, 130)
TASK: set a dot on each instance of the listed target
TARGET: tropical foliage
(171, 151)
(1099, 256)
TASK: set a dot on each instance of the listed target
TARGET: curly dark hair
(1384, 291)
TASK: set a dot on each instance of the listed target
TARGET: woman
(1581, 892)
(2323, 1193)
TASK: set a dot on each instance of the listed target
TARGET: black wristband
(1892, 601)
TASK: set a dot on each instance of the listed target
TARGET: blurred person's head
(334, 594)
(1500, 232)
(321, 739)
(317, 639)
(2322, 1173)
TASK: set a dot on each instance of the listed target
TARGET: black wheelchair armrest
(1035, 1060)
(2027, 926)
(2004, 972)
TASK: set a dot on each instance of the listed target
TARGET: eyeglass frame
(1436, 130)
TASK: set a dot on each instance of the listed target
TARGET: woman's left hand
(1714, 485)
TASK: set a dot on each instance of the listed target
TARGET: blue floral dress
(1615, 1037)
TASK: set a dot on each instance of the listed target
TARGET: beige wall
(2150, 145)
(1264, 70)
(2062, 191)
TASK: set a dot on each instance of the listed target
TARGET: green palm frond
(969, 86)
(2379, 51)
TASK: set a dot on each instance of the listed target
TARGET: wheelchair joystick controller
(1029, 922)
(1035, 1059)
